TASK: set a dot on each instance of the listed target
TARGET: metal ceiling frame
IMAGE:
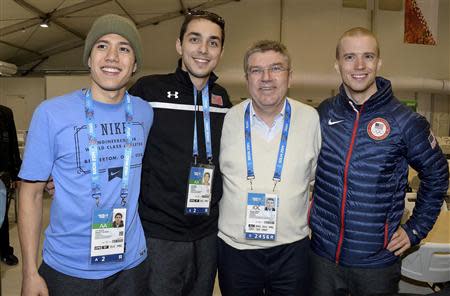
(124, 10)
(47, 17)
(20, 47)
(42, 16)
(53, 16)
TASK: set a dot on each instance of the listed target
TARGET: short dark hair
(118, 214)
(202, 14)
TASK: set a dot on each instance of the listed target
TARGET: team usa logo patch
(378, 129)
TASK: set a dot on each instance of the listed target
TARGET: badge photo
(261, 217)
(378, 129)
(199, 189)
(108, 235)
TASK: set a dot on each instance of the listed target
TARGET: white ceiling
(24, 42)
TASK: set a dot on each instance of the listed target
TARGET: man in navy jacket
(369, 139)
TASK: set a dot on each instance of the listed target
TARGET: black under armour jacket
(168, 155)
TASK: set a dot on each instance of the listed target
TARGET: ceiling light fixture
(44, 23)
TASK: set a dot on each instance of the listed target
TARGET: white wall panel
(22, 95)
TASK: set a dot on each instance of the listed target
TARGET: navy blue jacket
(361, 178)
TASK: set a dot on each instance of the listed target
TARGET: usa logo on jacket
(378, 129)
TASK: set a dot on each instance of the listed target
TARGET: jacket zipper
(344, 191)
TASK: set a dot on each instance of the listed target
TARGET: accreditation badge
(261, 217)
(199, 189)
(108, 235)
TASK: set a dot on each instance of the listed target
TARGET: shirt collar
(184, 78)
(277, 118)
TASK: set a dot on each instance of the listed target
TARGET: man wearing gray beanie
(91, 141)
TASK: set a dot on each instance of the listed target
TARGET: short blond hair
(357, 31)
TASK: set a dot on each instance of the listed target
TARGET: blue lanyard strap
(248, 144)
(206, 124)
(93, 148)
(281, 150)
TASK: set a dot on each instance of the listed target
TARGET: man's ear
(89, 62)
(134, 67)
(336, 67)
(289, 78)
(178, 46)
(221, 53)
(380, 62)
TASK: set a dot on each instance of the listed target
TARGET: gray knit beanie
(114, 24)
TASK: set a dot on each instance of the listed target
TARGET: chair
(430, 263)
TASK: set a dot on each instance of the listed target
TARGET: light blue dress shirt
(267, 132)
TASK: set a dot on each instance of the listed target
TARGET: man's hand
(34, 286)
(50, 186)
(399, 242)
(15, 185)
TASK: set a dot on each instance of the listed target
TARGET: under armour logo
(172, 94)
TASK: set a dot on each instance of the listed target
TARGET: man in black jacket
(179, 220)
(9, 167)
